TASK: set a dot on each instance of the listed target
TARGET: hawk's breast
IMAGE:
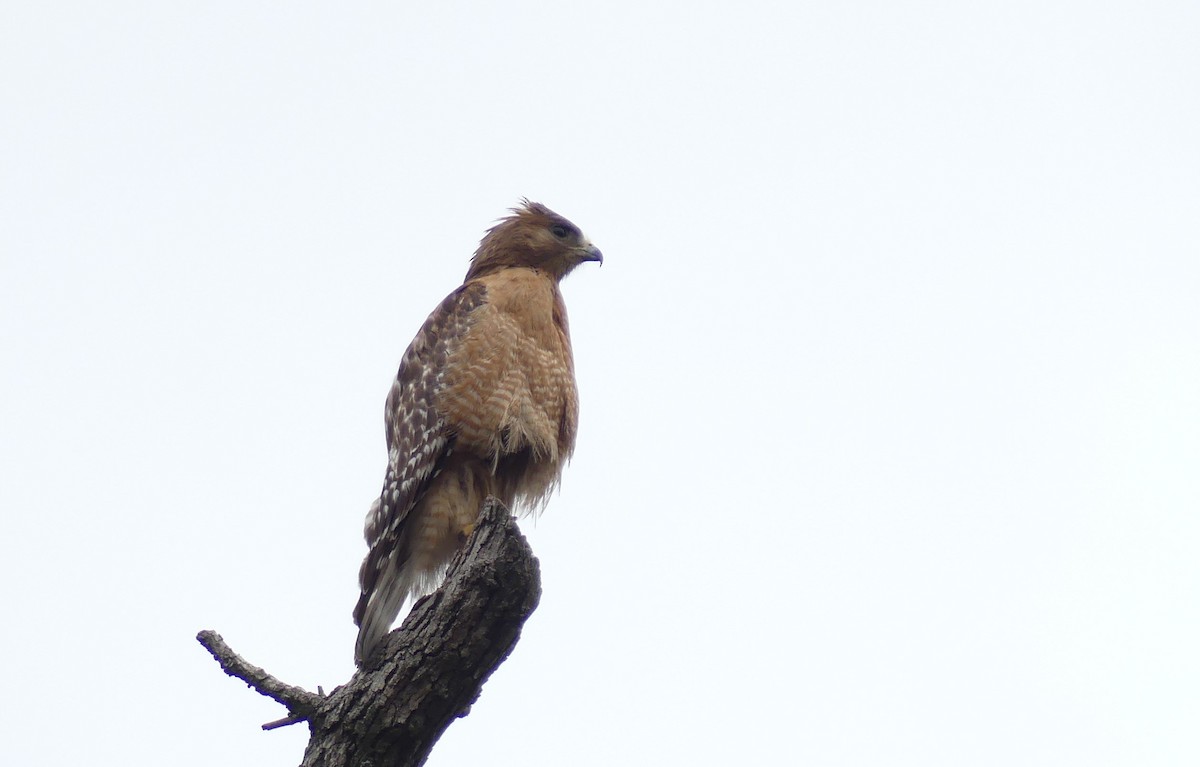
(510, 381)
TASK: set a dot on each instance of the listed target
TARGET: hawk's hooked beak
(590, 252)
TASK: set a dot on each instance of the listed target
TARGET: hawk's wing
(418, 441)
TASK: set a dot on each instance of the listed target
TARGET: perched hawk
(484, 404)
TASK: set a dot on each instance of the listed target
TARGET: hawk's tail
(375, 613)
(386, 583)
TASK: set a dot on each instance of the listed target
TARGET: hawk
(484, 404)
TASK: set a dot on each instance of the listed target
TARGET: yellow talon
(466, 531)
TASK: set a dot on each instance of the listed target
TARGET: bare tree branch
(300, 702)
(428, 672)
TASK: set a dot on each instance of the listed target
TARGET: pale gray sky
(890, 440)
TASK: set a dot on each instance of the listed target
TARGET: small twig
(284, 722)
(301, 703)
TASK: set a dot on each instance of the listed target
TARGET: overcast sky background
(890, 381)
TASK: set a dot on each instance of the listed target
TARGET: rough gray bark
(428, 672)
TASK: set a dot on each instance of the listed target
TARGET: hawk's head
(535, 237)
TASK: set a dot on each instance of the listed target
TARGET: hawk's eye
(560, 231)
